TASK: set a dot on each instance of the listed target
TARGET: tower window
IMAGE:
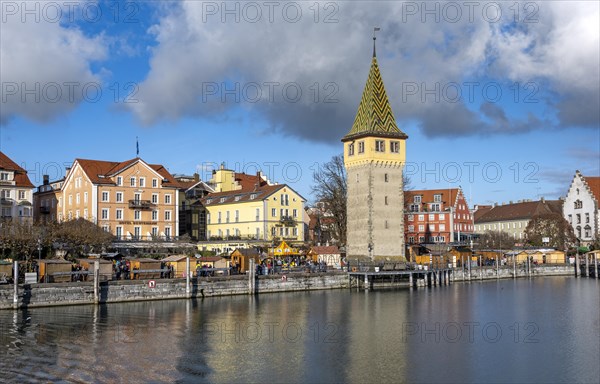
(386, 178)
(361, 147)
(379, 145)
(394, 146)
(350, 149)
(386, 200)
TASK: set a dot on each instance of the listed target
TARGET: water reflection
(540, 330)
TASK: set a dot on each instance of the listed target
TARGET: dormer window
(437, 198)
(222, 200)
(252, 196)
(208, 201)
(417, 199)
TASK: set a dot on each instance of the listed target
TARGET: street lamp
(39, 248)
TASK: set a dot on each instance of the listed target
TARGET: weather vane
(375, 29)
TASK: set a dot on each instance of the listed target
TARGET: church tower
(374, 156)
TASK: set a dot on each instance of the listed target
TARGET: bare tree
(550, 226)
(330, 189)
(81, 236)
(495, 240)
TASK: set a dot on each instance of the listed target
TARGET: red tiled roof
(249, 181)
(518, 211)
(594, 185)
(325, 249)
(9, 165)
(448, 196)
(99, 170)
(481, 210)
(21, 178)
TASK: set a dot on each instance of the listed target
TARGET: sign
(152, 284)
(545, 240)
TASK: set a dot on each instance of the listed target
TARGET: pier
(369, 276)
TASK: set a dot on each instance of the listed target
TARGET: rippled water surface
(535, 331)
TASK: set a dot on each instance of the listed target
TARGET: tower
(374, 155)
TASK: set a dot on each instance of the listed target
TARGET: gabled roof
(427, 195)
(520, 211)
(593, 184)
(244, 194)
(325, 249)
(249, 181)
(20, 175)
(248, 252)
(374, 116)
(100, 171)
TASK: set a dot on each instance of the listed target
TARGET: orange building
(132, 199)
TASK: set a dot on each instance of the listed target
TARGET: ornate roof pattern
(374, 115)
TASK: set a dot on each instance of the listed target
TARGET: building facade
(16, 192)
(132, 199)
(581, 207)
(192, 214)
(374, 156)
(45, 200)
(250, 209)
(512, 218)
(437, 216)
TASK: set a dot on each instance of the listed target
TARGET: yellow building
(251, 211)
(132, 199)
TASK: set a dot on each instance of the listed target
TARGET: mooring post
(577, 271)
(480, 268)
(514, 266)
(15, 284)
(96, 281)
(187, 277)
(528, 266)
(366, 281)
(251, 277)
(587, 265)
(497, 268)
(410, 280)
(596, 265)
(469, 269)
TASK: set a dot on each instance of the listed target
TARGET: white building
(582, 209)
(16, 191)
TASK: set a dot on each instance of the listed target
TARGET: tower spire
(375, 38)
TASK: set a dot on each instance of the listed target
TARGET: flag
(377, 29)
(137, 147)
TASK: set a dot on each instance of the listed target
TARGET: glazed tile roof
(20, 175)
(374, 116)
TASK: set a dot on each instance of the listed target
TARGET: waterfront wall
(55, 294)
(507, 272)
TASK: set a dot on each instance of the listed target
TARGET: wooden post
(596, 265)
(528, 266)
(187, 277)
(96, 281)
(480, 268)
(251, 277)
(15, 284)
(514, 266)
(410, 280)
(577, 271)
(367, 281)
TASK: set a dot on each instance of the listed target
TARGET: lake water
(543, 330)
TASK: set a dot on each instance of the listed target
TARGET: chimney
(542, 200)
(46, 179)
(196, 177)
(510, 202)
(67, 169)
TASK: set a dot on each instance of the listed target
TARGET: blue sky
(501, 98)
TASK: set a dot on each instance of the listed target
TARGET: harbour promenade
(363, 276)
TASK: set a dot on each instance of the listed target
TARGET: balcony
(140, 204)
(45, 210)
(288, 221)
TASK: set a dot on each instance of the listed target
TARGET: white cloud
(45, 68)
